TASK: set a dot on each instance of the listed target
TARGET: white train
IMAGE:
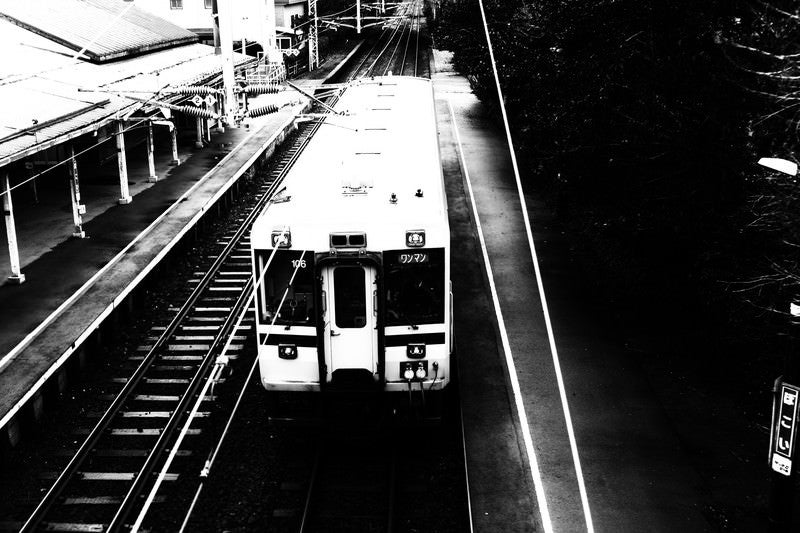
(352, 257)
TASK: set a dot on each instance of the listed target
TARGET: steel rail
(145, 474)
(419, 30)
(405, 24)
(390, 510)
(305, 521)
(84, 451)
(408, 41)
(380, 54)
(243, 300)
(367, 56)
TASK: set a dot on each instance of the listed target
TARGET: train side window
(350, 297)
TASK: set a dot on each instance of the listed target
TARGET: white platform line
(551, 337)
(512, 369)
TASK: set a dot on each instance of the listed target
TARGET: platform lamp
(783, 430)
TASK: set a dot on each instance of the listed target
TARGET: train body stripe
(309, 341)
(402, 340)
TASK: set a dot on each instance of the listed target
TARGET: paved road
(636, 474)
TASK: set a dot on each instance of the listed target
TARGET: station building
(88, 89)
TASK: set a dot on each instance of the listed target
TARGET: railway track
(396, 49)
(352, 486)
(103, 481)
(351, 474)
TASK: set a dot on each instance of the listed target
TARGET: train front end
(352, 260)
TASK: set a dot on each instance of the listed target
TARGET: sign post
(784, 427)
(783, 432)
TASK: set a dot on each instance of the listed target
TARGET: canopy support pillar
(11, 233)
(122, 164)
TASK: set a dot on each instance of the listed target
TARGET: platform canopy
(47, 96)
(104, 29)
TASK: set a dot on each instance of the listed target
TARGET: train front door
(351, 336)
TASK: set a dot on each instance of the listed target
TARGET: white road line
(512, 370)
(561, 389)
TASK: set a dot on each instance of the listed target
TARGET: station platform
(74, 284)
(562, 429)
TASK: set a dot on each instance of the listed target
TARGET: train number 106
(298, 263)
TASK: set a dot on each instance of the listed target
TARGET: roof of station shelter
(48, 97)
(103, 29)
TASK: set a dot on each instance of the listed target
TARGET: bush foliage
(644, 118)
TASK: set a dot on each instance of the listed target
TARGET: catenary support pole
(215, 17)
(122, 164)
(173, 133)
(198, 142)
(11, 233)
(358, 17)
(225, 8)
(78, 209)
(151, 159)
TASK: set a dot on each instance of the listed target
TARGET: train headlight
(281, 239)
(414, 370)
(287, 351)
(415, 238)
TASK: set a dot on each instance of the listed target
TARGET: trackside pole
(151, 162)
(198, 142)
(122, 164)
(75, 196)
(11, 233)
(225, 16)
(173, 134)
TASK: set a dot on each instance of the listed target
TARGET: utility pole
(358, 17)
(225, 17)
(215, 19)
(313, 36)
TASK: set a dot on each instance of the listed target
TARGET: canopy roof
(104, 29)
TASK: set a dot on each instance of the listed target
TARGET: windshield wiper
(410, 323)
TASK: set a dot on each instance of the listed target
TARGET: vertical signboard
(784, 428)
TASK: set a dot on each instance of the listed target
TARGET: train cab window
(414, 284)
(350, 296)
(298, 305)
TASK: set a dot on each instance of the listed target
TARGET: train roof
(384, 146)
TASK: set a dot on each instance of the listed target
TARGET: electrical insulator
(195, 111)
(262, 110)
(202, 90)
(261, 88)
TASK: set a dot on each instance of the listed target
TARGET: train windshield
(296, 307)
(414, 283)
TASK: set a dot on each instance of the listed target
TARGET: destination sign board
(784, 430)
